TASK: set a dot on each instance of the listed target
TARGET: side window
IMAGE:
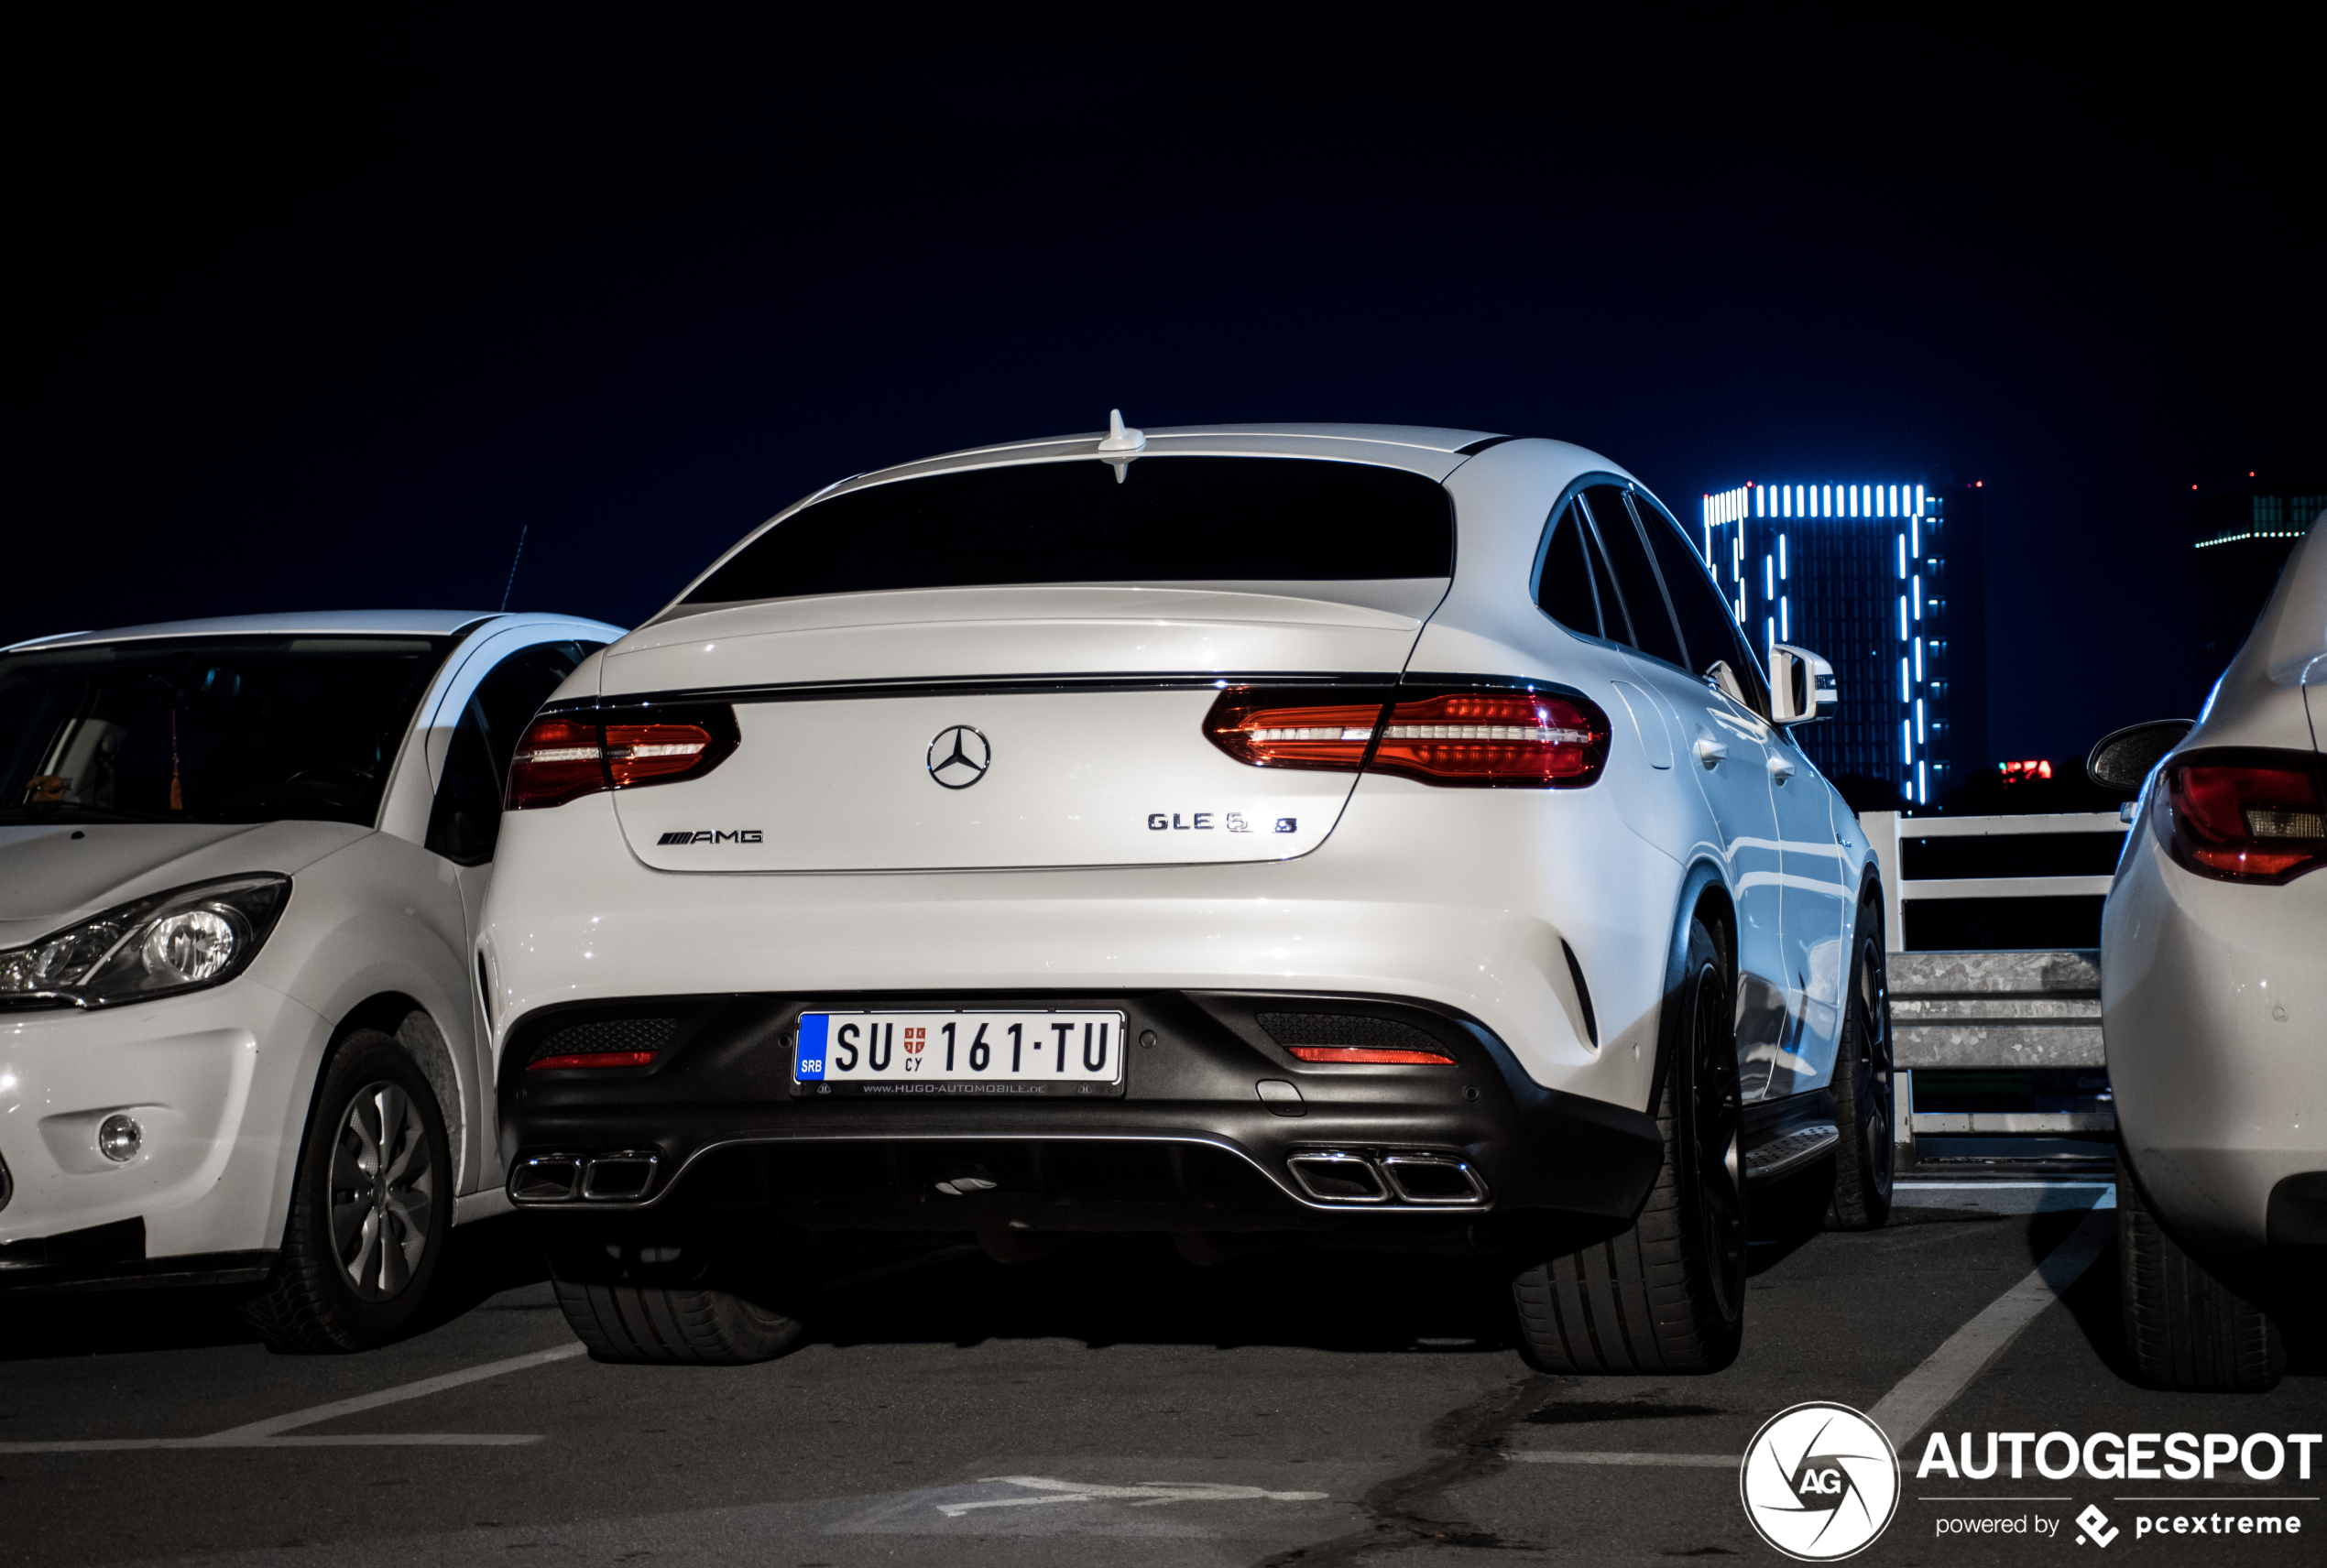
(1708, 631)
(1644, 597)
(1567, 591)
(465, 822)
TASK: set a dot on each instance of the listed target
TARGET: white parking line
(1144, 1495)
(395, 1396)
(1923, 1393)
(268, 1433)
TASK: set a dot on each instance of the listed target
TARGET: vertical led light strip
(1903, 506)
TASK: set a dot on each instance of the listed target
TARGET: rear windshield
(233, 729)
(1167, 520)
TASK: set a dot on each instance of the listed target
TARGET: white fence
(1888, 830)
(2016, 1010)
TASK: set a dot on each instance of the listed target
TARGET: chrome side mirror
(2123, 758)
(1800, 684)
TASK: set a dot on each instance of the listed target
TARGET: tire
(630, 1301)
(371, 1204)
(2185, 1327)
(1865, 1094)
(1667, 1295)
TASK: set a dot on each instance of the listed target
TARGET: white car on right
(2213, 998)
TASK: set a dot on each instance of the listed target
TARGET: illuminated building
(1883, 582)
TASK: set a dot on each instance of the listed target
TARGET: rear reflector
(2245, 815)
(562, 757)
(1497, 736)
(593, 1059)
(1363, 1056)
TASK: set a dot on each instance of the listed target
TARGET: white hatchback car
(240, 866)
(1365, 836)
(2213, 998)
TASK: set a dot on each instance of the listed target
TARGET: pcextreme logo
(1820, 1482)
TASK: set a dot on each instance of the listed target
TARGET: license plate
(959, 1052)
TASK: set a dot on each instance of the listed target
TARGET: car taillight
(640, 754)
(2244, 816)
(1494, 739)
(1291, 728)
(563, 756)
(1490, 737)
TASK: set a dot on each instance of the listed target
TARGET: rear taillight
(555, 761)
(1525, 739)
(563, 756)
(2244, 816)
(1498, 737)
(1292, 728)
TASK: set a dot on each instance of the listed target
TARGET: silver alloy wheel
(383, 1191)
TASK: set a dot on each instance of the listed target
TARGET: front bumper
(204, 1075)
(2213, 1008)
(1478, 1152)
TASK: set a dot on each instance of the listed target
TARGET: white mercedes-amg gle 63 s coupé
(1268, 834)
(241, 1038)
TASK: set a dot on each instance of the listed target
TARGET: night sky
(309, 319)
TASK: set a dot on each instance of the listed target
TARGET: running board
(1781, 1156)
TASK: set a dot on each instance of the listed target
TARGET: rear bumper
(1477, 1151)
(2213, 1006)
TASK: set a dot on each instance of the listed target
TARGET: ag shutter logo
(1820, 1482)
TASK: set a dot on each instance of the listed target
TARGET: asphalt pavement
(1112, 1403)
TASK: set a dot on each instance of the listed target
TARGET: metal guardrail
(2012, 1009)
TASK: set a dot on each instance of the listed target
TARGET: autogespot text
(2109, 1456)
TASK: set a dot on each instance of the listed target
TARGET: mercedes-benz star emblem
(959, 757)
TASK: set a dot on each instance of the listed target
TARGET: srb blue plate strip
(810, 1061)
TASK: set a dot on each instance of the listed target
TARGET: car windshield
(218, 729)
(1161, 519)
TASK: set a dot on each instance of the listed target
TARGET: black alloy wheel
(1667, 1295)
(1865, 1092)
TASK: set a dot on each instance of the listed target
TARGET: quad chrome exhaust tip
(620, 1175)
(1419, 1177)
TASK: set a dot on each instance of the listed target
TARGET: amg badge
(711, 835)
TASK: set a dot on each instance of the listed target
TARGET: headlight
(198, 936)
